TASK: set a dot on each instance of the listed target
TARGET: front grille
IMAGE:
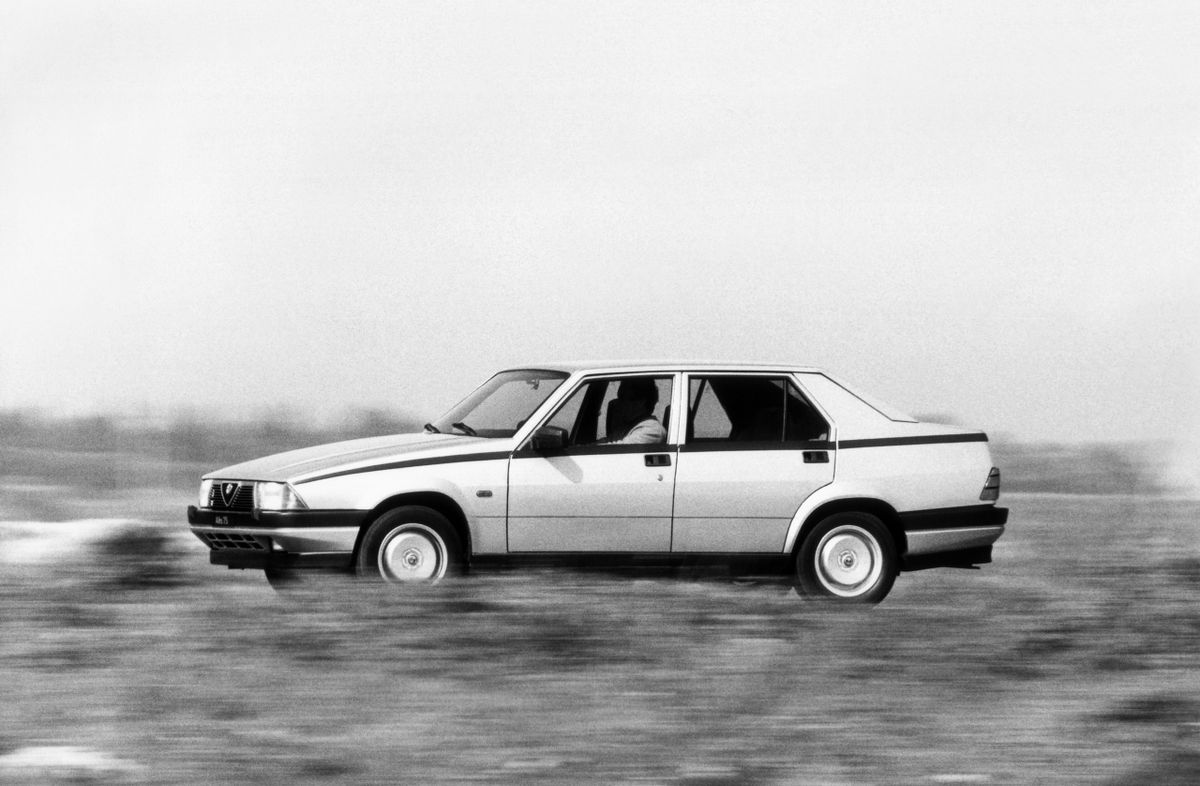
(242, 501)
(226, 541)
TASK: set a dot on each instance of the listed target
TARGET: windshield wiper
(470, 432)
(432, 429)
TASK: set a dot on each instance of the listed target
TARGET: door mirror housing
(548, 438)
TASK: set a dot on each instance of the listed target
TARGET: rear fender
(832, 499)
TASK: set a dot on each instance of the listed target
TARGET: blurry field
(126, 658)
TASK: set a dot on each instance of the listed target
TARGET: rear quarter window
(850, 413)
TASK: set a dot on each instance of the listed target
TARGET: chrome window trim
(789, 376)
(795, 377)
(544, 412)
(584, 378)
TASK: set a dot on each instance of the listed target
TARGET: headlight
(277, 496)
(205, 494)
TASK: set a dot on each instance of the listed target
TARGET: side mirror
(548, 438)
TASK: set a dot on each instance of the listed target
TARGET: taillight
(991, 489)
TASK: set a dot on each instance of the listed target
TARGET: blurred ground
(126, 658)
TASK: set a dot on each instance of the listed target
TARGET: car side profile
(763, 471)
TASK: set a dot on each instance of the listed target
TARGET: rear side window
(741, 410)
(851, 412)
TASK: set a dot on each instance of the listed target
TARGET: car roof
(614, 366)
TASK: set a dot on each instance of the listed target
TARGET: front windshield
(501, 405)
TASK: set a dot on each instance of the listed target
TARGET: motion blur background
(978, 209)
(228, 229)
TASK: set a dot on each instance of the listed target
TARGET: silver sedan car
(764, 471)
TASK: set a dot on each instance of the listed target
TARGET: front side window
(730, 409)
(502, 404)
(615, 411)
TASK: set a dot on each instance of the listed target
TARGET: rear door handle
(658, 460)
(816, 457)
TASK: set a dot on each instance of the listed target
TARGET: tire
(409, 545)
(847, 558)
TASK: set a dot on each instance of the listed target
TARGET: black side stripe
(601, 449)
(934, 439)
(425, 462)
(725, 446)
(845, 444)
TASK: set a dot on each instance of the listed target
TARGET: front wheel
(848, 558)
(409, 545)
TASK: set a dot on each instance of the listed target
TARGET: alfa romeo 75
(759, 471)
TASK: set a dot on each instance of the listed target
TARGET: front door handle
(658, 460)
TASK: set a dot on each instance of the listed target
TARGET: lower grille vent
(225, 541)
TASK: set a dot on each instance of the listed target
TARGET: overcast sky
(986, 210)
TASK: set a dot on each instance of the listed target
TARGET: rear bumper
(969, 531)
(266, 539)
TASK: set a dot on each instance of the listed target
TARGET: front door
(609, 488)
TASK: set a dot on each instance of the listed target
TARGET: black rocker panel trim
(770, 563)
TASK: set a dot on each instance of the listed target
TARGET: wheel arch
(873, 505)
(433, 500)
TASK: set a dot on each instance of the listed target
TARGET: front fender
(478, 488)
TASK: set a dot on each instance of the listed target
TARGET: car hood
(296, 466)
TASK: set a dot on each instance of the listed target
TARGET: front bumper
(278, 539)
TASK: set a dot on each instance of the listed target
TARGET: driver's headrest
(639, 389)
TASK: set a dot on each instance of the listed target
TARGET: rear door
(754, 449)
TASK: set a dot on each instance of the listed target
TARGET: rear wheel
(847, 558)
(409, 545)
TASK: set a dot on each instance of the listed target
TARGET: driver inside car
(630, 418)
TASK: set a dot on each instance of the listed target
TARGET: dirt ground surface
(126, 658)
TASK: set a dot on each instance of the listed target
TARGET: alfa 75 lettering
(761, 471)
